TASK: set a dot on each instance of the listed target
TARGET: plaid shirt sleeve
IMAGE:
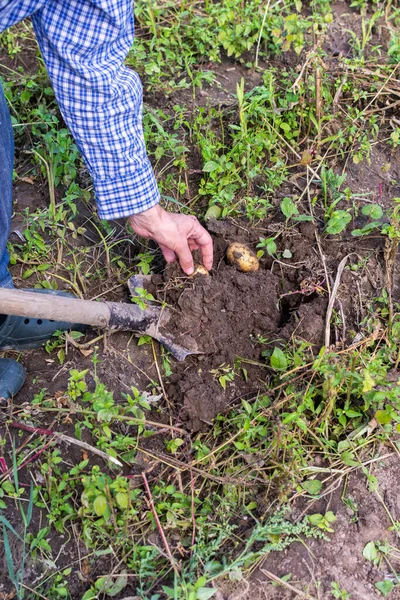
(84, 44)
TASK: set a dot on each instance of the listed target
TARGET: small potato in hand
(199, 270)
(242, 257)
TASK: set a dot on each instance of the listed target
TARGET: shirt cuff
(126, 196)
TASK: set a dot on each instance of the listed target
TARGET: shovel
(108, 315)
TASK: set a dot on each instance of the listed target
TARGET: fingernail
(190, 271)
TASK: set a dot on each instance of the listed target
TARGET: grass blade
(30, 506)
(7, 523)
(9, 560)
(16, 483)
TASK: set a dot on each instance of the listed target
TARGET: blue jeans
(6, 169)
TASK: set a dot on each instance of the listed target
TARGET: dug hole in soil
(234, 316)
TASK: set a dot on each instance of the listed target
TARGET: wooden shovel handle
(57, 308)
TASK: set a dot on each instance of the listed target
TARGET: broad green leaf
(312, 486)
(204, 593)
(396, 332)
(278, 360)
(239, 445)
(122, 499)
(271, 247)
(330, 516)
(369, 382)
(373, 211)
(89, 595)
(114, 587)
(213, 212)
(28, 273)
(369, 552)
(210, 166)
(338, 222)
(383, 417)
(100, 505)
(289, 208)
(352, 414)
(315, 519)
(348, 459)
(385, 587)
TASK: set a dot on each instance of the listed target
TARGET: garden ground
(266, 466)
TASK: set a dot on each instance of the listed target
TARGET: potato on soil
(199, 270)
(242, 257)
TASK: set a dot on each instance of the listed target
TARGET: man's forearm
(84, 47)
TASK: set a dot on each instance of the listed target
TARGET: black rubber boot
(21, 333)
(12, 378)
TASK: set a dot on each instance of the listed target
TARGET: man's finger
(204, 240)
(193, 245)
(185, 258)
(168, 254)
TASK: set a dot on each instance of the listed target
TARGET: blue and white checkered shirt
(84, 44)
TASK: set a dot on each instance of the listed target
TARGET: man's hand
(177, 235)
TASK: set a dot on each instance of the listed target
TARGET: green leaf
(385, 587)
(330, 516)
(122, 499)
(357, 232)
(301, 218)
(373, 211)
(352, 414)
(383, 417)
(316, 519)
(368, 383)
(239, 445)
(6, 523)
(396, 332)
(271, 247)
(204, 593)
(30, 506)
(89, 595)
(213, 212)
(210, 166)
(348, 459)
(312, 486)
(366, 229)
(28, 273)
(115, 587)
(369, 552)
(100, 505)
(289, 208)
(9, 558)
(338, 222)
(278, 360)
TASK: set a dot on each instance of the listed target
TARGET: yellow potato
(199, 270)
(241, 257)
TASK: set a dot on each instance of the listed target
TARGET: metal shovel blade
(179, 352)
